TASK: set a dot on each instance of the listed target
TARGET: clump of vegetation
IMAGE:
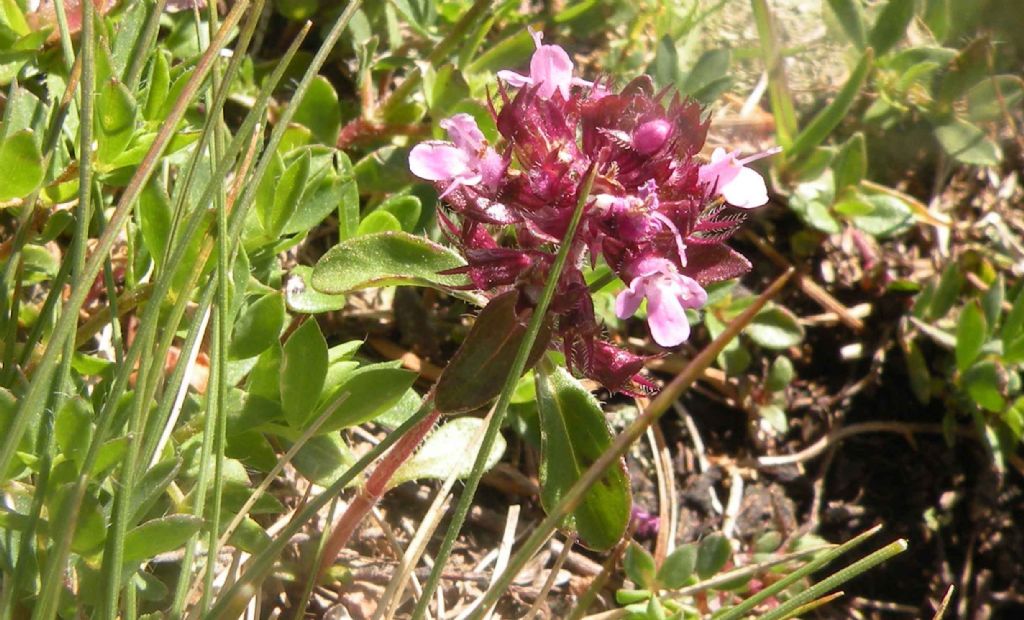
(281, 280)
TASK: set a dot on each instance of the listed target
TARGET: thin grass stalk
(24, 569)
(260, 565)
(786, 126)
(66, 46)
(266, 482)
(504, 398)
(597, 583)
(816, 564)
(32, 403)
(823, 587)
(222, 333)
(147, 383)
(144, 46)
(65, 326)
(626, 438)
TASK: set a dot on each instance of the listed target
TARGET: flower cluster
(656, 214)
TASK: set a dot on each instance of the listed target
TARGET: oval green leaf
(574, 435)
(449, 448)
(386, 259)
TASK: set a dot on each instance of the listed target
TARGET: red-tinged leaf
(476, 373)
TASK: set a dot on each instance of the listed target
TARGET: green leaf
(678, 567)
(21, 165)
(968, 144)
(985, 385)
(512, 51)
(324, 459)
(825, 121)
(371, 390)
(574, 435)
(714, 551)
(303, 369)
(159, 536)
(967, 69)
(710, 67)
(115, 116)
(319, 110)
(476, 373)
(155, 219)
(775, 328)
(851, 164)
(288, 190)
(970, 335)
(378, 222)
(986, 101)
(937, 17)
(258, 327)
(665, 66)
(947, 292)
(888, 216)
(851, 18)
(639, 566)
(73, 428)
(780, 374)
(386, 259)
(302, 297)
(152, 485)
(811, 200)
(383, 170)
(890, 25)
(1014, 321)
(159, 85)
(775, 416)
(992, 303)
(449, 448)
(405, 208)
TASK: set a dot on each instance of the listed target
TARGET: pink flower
(669, 293)
(738, 185)
(465, 161)
(550, 69)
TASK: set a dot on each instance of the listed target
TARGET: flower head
(653, 215)
(669, 293)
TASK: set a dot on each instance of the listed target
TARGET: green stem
(518, 367)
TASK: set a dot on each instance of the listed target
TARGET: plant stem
(518, 367)
(370, 494)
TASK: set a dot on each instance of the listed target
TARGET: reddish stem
(370, 494)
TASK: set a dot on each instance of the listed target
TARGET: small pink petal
(628, 300)
(551, 67)
(514, 79)
(438, 161)
(464, 132)
(666, 317)
(722, 169)
(746, 190)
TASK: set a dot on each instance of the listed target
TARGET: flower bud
(651, 136)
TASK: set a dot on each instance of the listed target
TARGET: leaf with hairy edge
(302, 297)
(477, 371)
(159, 536)
(446, 449)
(574, 435)
(386, 259)
(21, 165)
